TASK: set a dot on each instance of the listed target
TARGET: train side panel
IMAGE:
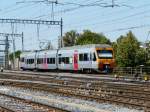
(22, 60)
(65, 60)
(85, 59)
(46, 60)
(52, 59)
(77, 59)
(28, 60)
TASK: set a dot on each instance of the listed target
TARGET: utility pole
(113, 3)
(6, 53)
(61, 35)
(14, 48)
(22, 38)
(13, 35)
(36, 22)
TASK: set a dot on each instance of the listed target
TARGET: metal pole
(6, 53)
(112, 3)
(13, 39)
(22, 42)
(61, 28)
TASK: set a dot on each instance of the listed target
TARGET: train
(84, 58)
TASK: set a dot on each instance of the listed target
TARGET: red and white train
(93, 57)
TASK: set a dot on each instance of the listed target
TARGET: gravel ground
(68, 103)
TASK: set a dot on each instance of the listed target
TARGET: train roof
(88, 46)
(69, 48)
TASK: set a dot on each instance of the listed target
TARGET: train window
(85, 57)
(94, 57)
(27, 61)
(81, 57)
(70, 60)
(53, 60)
(59, 60)
(49, 60)
(105, 54)
(32, 61)
(22, 59)
(67, 60)
(63, 60)
(39, 60)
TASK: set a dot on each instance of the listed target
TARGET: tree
(147, 55)
(89, 37)
(114, 45)
(128, 51)
(17, 55)
(69, 38)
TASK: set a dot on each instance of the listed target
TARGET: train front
(105, 59)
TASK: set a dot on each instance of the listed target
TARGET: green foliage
(148, 62)
(17, 55)
(114, 45)
(140, 56)
(148, 54)
(89, 37)
(128, 51)
(69, 38)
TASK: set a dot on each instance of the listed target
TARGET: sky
(77, 15)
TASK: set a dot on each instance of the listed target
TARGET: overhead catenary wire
(128, 28)
(113, 20)
(4, 12)
(72, 7)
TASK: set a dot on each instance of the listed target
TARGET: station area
(74, 56)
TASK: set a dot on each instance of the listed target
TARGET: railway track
(110, 75)
(140, 102)
(14, 104)
(69, 78)
(98, 90)
(98, 83)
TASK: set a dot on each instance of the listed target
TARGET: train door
(45, 61)
(94, 61)
(75, 60)
(35, 60)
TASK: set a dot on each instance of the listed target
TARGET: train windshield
(105, 54)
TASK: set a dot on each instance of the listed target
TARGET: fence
(131, 71)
